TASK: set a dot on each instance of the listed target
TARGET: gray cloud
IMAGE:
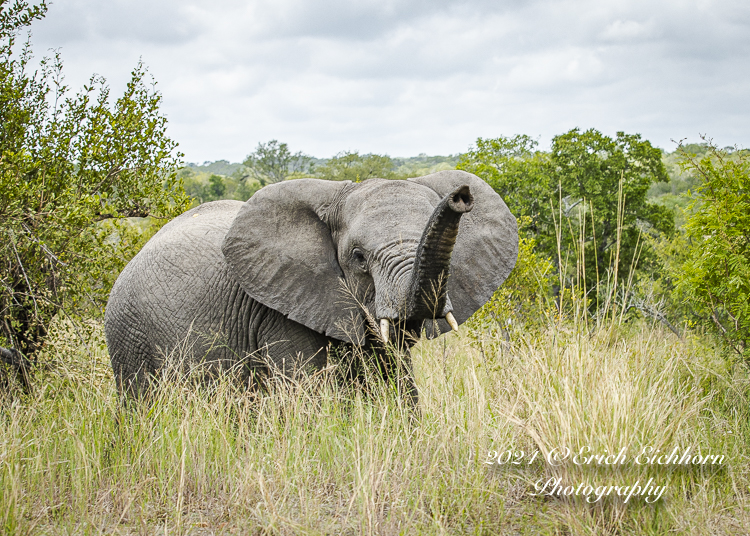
(142, 21)
(412, 76)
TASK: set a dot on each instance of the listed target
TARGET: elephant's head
(340, 257)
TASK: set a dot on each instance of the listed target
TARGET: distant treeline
(222, 179)
(273, 162)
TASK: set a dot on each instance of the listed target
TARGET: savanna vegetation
(625, 327)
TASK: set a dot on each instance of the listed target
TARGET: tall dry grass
(312, 457)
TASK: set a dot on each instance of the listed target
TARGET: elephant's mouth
(427, 296)
(410, 329)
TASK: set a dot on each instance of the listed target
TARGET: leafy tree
(420, 165)
(72, 169)
(203, 187)
(572, 193)
(607, 179)
(216, 187)
(715, 273)
(351, 166)
(680, 181)
(273, 162)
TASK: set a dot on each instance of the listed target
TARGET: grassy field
(314, 458)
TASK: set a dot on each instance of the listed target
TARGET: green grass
(316, 458)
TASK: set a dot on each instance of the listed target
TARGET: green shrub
(715, 273)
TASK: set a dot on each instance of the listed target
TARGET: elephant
(307, 265)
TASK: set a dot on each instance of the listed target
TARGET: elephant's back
(205, 224)
(185, 250)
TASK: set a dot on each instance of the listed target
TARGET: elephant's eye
(358, 258)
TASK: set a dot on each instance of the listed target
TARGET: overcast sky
(404, 77)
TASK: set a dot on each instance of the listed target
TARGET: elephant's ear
(487, 243)
(281, 252)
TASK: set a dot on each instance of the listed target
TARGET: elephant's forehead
(379, 191)
(392, 208)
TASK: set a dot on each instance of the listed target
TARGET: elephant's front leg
(287, 347)
(373, 363)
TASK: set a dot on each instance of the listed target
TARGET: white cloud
(553, 70)
(627, 30)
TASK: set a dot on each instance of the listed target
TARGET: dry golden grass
(314, 458)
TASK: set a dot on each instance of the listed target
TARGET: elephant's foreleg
(286, 347)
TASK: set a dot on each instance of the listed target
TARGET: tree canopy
(575, 194)
(608, 180)
(273, 162)
(352, 166)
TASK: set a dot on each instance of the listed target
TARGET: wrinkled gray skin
(306, 264)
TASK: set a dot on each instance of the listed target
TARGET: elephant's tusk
(452, 321)
(385, 329)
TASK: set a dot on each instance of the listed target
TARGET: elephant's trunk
(428, 298)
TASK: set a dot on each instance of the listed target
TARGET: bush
(715, 274)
